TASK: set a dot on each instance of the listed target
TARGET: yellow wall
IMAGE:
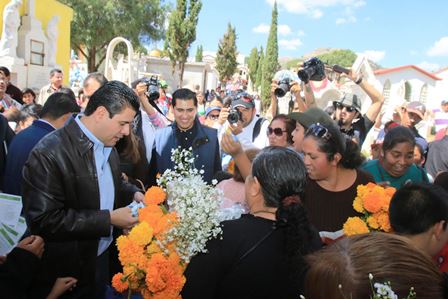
(44, 11)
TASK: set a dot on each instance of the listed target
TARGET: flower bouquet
(372, 201)
(177, 219)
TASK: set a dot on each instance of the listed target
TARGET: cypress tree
(259, 77)
(270, 64)
(199, 52)
(253, 66)
(226, 63)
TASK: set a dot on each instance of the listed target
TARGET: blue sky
(390, 32)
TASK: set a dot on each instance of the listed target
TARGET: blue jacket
(18, 153)
(205, 149)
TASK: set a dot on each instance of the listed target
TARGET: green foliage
(270, 63)
(226, 63)
(181, 33)
(253, 65)
(344, 58)
(96, 22)
(259, 77)
(294, 63)
(199, 51)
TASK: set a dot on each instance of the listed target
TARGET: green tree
(344, 58)
(253, 66)
(270, 63)
(259, 77)
(199, 52)
(226, 63)
(96, 23)
(181, 33)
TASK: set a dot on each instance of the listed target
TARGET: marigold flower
(141, 234)
(155, 195)
(383, 221)
(372, 222)
(129, 251)
(372, 202)
(357, 205)
(119, 282)
(354, 226)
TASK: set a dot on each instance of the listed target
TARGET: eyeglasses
(342, 106)
(277, 131)
(319, 131)
(213, 116)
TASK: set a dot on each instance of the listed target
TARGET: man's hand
(295, 88)
(274, 86)
(139, 197)
(223, 114)
(236, 128)
(230, 146)
(141, 89)
(123, 218)
(33, 244)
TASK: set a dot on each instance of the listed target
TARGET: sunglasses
(347, 108)
(318, 131)
(277, 131)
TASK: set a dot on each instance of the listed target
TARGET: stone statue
(11, 23)
(52, 35)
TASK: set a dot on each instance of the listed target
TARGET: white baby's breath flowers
(195, 203)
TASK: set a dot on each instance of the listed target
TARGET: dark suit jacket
(18, 153)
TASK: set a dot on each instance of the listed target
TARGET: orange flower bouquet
(372, 201)
(151, 266)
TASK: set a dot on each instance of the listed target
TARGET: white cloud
(291, 44)
(311, 7)
(375, 56)
(428, 66)
(440, 48)
(262, 28)
(349, 19)
(284, 30)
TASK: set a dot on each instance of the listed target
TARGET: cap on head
(350, 99)
(210, 109)
(312, 116)
(417, 108)
(244, 100)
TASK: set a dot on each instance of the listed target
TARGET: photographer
(241, 120)
(351, 122)
(297, 104)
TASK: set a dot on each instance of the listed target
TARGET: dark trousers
(102, 278)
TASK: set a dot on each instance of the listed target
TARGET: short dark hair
(184, 94)
(398, 135)
(290, 125)
(58, 104)
(97, 76)
(67, 90)
(416, 207)
(54, 71)
(30, 91)
(5, 71)
(115, 96)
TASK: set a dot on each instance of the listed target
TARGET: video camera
(152, 87)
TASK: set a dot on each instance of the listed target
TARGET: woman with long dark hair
(261, 254)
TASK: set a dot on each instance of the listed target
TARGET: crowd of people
(78, 161)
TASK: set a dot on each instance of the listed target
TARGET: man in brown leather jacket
(73, 193)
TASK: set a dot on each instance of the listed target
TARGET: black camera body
(234, 116)
(283, 87)
(313, 69)
(152, 87)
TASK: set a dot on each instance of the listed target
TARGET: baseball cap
(312, 116)
(350, 99)
(444, 102)
(210, 109)
(417, 108)
(243, 100)
(163, 84)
